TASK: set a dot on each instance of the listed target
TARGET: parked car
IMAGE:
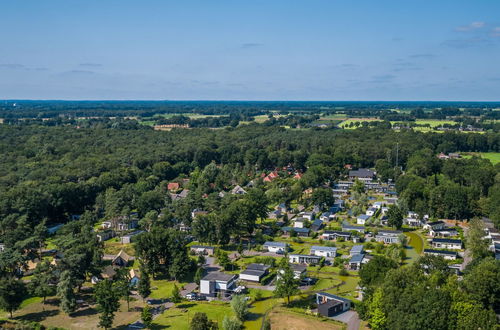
(191, 296)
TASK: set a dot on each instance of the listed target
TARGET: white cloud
(472, 26)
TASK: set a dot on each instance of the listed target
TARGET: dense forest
(109, 169)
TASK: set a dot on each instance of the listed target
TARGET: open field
(434, 123)
(494, 157)
(285, 320)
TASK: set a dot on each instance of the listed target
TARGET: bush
(343, 272)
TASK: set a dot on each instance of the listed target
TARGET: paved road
(351, 318)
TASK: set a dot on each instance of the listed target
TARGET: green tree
(41, 281)
(322, 197)
(12, 294)
(358, 186)
(198, 275)
(395, 216)
(176, 294)
(66, 292)
(483, 283)
(144, 285)
(286, 285)
(123, 286)
(231, 323)
(147, 316)
(474, 239)
(377, 316)
(108, 302)
(239, 306)
(373, 272)
(200, 321)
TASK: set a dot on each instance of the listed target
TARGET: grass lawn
(163, 288)
(178, 317)
(85, 318)
(113, 246)
(494, 157)
(257, 311)
(282, 319)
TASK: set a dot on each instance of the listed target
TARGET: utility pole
(397, 154)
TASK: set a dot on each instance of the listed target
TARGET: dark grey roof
(451, 253)
(357, 258)
(261, 267)
(217, 276)
(447, 240)
(297, 230)
(362, 173)
(357, 249)
(253, 272)
(298, 267)
(435, 223)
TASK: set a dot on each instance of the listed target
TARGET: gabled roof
(363, 217)
(122, 254)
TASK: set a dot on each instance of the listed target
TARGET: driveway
(351, 318)
(188, 288)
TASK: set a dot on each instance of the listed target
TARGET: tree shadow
(38, 316)
(85, 312)
(253, 316)
(185, 305)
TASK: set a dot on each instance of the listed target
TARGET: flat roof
(447, 240)
(277, 244)
(305, 255)
(357, 248)
(255, 266)
(323, 248)
(218, 276)
(357, 258)
(440, 252)
(253, 272)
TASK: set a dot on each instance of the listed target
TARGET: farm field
(494, 157)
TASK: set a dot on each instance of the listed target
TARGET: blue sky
(250, 50)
